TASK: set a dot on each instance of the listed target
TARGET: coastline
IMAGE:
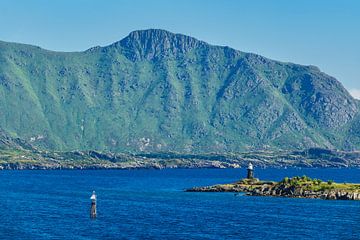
(296, 187)
(21, 159)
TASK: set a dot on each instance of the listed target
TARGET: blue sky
(325, 33)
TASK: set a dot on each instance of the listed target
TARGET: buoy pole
(93, 205)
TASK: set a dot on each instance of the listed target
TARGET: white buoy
(93, 205)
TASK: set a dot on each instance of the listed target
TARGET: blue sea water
(151, 204)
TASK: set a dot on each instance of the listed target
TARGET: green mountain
(156, 91)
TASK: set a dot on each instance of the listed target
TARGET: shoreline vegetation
(32, 158)
(295, 187)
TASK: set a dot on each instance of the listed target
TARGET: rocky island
(295, 187)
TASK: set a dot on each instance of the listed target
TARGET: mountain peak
(156, 91)
(154, 43)
(151, 33)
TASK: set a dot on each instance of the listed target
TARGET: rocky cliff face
(159, 91)
(157, 44)
(311, 93)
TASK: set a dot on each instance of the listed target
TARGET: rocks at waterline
(296, 187)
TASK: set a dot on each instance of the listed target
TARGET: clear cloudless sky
(325, 33)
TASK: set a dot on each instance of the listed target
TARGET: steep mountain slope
(159, 91)
(9, 143)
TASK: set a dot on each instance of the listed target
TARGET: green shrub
(305, 178)
(286, 180)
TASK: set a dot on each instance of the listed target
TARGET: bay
(151, 204)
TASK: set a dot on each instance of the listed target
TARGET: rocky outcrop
(299, 192)
(154, 44)
(290, 188)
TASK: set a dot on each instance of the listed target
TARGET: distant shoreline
(99, 168)
(41, 159)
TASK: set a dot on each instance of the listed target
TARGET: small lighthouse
(250, 171)
(93, 205)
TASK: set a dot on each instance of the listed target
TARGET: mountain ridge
(159, 91)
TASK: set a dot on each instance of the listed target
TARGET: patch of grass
(318, 185)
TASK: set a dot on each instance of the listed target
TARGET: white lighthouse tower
(250, 171)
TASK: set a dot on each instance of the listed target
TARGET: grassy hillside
(156, 91)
